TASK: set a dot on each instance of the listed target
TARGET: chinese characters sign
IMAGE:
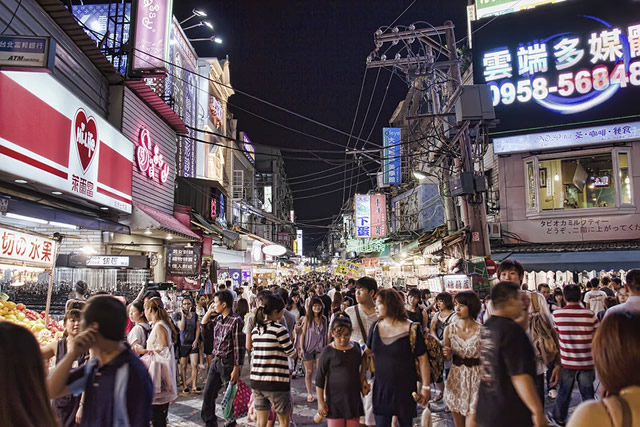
(27, 52)
(392, 152)
(107, 261)
(150, 161)
(371, 216)
(457, 283)
(216, 110)
(183, 260)
(574, 62)
(151, 40)
(49, 136)
(486, 8)
(17, 247)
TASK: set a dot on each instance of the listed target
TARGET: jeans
(219, 375)
(385, 421)
(568, 377)
(159, 415)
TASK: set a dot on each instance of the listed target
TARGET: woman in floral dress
(462, 346)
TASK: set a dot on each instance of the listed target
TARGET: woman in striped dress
(271, 345)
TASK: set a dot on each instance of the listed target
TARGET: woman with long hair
(396, 344)
(313, 339)
(296, 306)
(272, 346)
(414, 311)
(161, 359)
(558, 300)
(336, 303)
(67, 407)
(23, 393)
(462, 346)
(137, 337)
(444, 316)
(616, 351)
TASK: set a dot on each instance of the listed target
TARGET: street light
(200, 24)
(214, 39)
(419, 175)
(194, 13)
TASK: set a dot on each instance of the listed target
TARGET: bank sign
(570, 63)
(50, 137)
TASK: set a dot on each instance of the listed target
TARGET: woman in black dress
(340, 374)
(395, 369)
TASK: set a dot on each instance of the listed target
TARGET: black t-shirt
(608, 291)
(327, 305)
(506, 352)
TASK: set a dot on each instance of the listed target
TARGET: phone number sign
(561, 65)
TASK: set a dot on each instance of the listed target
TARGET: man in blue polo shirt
(117, 387)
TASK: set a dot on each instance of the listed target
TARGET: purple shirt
(227, 342)
(103, 406)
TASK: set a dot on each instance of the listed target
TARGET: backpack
(543, 336)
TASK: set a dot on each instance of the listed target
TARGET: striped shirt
(576, 326)
(269, 364)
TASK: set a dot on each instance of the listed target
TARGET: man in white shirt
(633, 288)
(594, 299)
(362, 316)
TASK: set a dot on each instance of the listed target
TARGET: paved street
(186, 410)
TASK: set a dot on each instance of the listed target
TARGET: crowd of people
(369, 355)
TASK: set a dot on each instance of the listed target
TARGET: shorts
(311, 356)
(281, 401)
(367, 402)
(186, 350)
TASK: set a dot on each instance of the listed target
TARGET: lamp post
(214, 39)
(199, 24)
(194, 13)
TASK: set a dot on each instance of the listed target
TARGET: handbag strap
(627, 416)
(362, 330)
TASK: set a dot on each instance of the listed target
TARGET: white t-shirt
(594, 300)
(367, 321)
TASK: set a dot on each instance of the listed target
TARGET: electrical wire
(13, 16)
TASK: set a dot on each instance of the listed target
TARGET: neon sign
(149, 158)
(577, 61)
(249, 151)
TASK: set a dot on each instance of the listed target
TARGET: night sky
(309, 57)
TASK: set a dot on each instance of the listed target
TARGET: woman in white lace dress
(462, 346)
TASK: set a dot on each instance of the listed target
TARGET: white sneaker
(553, 393)
(201, 366)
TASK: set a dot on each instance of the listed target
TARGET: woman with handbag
(395, 345)
(616, 351)
(160, 360)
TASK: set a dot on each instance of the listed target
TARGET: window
(600, 180)
(238, 184)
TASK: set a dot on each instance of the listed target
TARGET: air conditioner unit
(495, 230)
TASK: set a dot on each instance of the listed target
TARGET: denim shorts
(311, 356)
(281, 401)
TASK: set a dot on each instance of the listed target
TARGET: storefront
(568, 140)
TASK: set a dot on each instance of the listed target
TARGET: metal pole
(50, 289)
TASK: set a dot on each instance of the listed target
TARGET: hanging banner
(19, 248)
(299, 242)
(363, 215)
(349, 269)
(151, 38)
(183, 260)
(378, 216)
(392, 155)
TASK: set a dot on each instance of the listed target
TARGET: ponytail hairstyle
(155, 305)
(272, 303)
(139, 305)
(341, 323)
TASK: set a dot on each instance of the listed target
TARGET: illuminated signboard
(149, 159)
(27, 249)
(21, 52)
(247, 146)
(392, 152)
(217, 112)
(570, 64)
(48, 136)
(151, 38)
(299, 242)
(371, 215)
(486, 8)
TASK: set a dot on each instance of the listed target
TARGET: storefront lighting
(104, 208)
(626, 180)
(419, 174)
(148, 232)
(217, 40)
(16, 284)
(88, 250)
(57, 193)
(169, 237)
(591, 186)
(194, 13)
(62, 225)
(556, 177)
(26, 218)
(20, 181)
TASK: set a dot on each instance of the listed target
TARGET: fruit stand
(22, 255)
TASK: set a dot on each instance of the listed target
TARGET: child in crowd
(340, 373)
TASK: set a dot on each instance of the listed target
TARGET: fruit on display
(44, 331)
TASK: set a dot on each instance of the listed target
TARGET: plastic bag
(241, 402)
(227, 401)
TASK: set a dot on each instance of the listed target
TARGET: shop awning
(227, 257)
(50, 213)
(199, 221)
(145, 217)
(577, 261)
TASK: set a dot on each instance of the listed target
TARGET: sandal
(186, 390)
(310, 398)
(438, 398)
(198, 390)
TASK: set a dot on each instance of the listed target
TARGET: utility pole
(433, 64)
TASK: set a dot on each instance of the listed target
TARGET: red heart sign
(86, 136)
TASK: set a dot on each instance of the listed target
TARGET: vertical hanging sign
(151, 38)
(378, 216)
(392, 153)
(363, 215)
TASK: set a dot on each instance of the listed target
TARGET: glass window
(531, 187)
(577, 182)
(625, 179)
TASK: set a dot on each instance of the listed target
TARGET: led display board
(560, 65)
